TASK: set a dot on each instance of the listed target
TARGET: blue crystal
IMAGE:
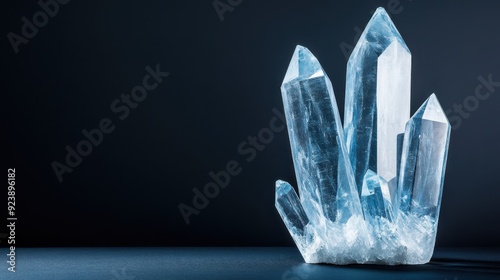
(292, 213)
(377, 98)
(289, 207)
(375, 198)
(425, 150)
(316, 138)
(379, 215)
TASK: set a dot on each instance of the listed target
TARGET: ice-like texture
(423, 164)
(377, 98)
(384, 207)
(317, 142)
(375, 198)
(326, 182)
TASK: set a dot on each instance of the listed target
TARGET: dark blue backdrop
(226, 61)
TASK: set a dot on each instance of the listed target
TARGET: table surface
(234, 263)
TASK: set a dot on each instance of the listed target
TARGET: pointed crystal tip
(380, 11)
(431, 110)
(280, 184)
(303, 65)
(282, 188)
(380, 18)
(379, 33)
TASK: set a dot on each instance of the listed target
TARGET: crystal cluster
(370, 189)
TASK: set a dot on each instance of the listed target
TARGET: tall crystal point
(324, 174)
(377, 101)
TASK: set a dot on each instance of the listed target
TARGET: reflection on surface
(451, 264)
(235, 263)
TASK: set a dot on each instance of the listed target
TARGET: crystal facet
(375, 198)
(372, 195)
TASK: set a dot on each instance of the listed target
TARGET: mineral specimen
(372, 195)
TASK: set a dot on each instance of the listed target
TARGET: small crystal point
(377, 98)
(303, 65)
(293, 215)
(375, 198)
(289, 207)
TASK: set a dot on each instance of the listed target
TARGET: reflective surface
(235, 263)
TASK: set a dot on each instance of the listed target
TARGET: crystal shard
(377, 98)
(371, 195)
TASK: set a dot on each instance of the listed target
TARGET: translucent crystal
(375, 198)
(324, 175)
(316, 139)
(291, 211)
(377, 98)
(425, 150)
(382, 207)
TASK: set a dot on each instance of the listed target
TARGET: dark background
(224, 83)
